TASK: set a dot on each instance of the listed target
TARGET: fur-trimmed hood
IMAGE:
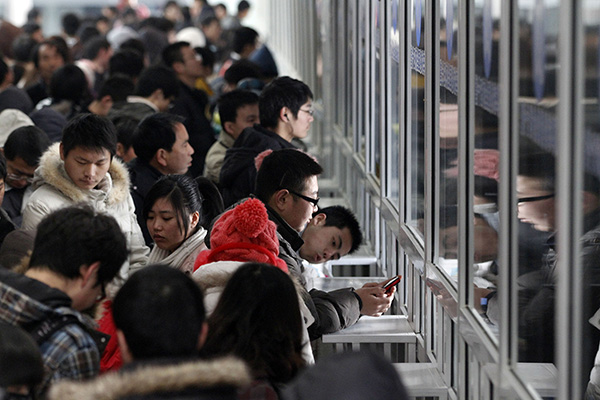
(154, 379)
(51, 171)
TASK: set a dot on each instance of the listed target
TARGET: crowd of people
(158, 209)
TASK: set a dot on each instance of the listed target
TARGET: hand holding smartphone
(391, 283)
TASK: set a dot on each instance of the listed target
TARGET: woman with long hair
(258, 319)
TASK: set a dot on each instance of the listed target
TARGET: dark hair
(258, 319)
(208, 20)
(3, 171)
(285, 169)
(134, 44)
(54, 42)
(88, 32)
(70, 23)
(229, 103)
(20, 358)
(208, 56)
(242, 69)
(126, 125)
(157, 77)
(93, 46)
(342, 217)
(3, 70)
(69, 83)
(182, 192)
(161, 24)
(243, 36)
(282, 92)
(28, 143)
(31, 27)
(243, 6)
(90, 131)
(154, 132)
(539, 166)
(78, 235)
(172, 53)
(118, 87)
(127, 62)
(160, 311)
(212, 203)
(23, 47)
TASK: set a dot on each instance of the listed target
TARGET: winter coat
(216, 156)
(213, 277)
(198, 379)
(332, 311)
(143, 176)
(71, 352)
(53, 189)
(238, 174)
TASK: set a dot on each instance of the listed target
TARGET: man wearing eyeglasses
(285, 113)
(287, 183)
(22, 150)
(77, 251)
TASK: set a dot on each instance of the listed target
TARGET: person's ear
(281, 199)
(89, 273)
(178, 67)
(62, 152)
(195, 219)
(228, 127)
(202, 335)
(161, 157)
(318, 219)
(284, 114)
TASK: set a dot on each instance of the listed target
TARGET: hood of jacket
(51, 171)
(157, 378)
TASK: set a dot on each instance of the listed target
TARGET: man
(162, 146)
(95, 62)
(154, 91)
(82, 168)
(243, 44)
(76, 253)
(192, 104)
(160, 318)
(22, 150)
(10, 95)
(48, 56)
(237, 110)
(287, 183)
(285, 110)
(332, 233)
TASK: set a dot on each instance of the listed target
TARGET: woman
(258, 319)
(172, 210)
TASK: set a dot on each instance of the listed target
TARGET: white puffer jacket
(53, 189)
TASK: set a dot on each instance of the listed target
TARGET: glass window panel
(486, 159)
(364, 47)
(350, 65)
(448, 139)
(377, 87)
(538, 44)
(415, 159)
(394, 87)
(591, 204)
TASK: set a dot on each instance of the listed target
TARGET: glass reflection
(415, 159)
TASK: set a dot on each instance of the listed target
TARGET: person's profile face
(179, 159)
(300, 210)
(302, 122)
(536, 205)
(49, 60)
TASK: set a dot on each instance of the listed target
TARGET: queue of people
(155, 172)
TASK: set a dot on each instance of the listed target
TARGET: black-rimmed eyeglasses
(535, 198)
(315, 202)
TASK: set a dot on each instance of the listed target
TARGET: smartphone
(391, 283)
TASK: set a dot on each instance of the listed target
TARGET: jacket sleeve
(33, 213)
(138, 251)
(335, 311)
